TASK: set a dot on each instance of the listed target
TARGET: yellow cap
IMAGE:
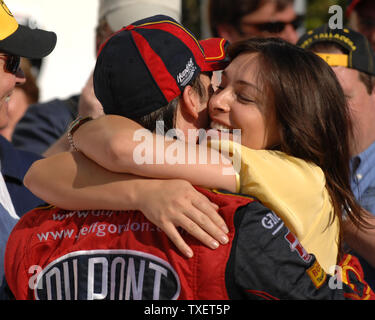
(335, 59)
(8, 24)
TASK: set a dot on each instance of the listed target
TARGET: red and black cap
(145, 65)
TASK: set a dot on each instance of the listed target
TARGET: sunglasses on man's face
(12, 63)
(277, 26)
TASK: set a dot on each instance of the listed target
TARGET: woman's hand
(176, 203)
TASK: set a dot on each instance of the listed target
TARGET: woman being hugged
(305, 116)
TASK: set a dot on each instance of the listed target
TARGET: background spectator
(16, 41)
(361, 15)
(239, 19)
(43, 124)
(357, 77)
(23, 96)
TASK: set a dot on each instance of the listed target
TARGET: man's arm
(72, 181)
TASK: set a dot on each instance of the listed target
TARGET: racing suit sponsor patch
(295, 245)
(317, 274)
(108, 274)
(272, 222)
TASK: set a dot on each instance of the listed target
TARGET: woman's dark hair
(312, 114)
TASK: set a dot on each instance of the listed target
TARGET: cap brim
(215, 50)
(29, 43)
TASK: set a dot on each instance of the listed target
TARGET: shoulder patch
(317, 274)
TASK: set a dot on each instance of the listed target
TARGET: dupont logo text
(107, 274)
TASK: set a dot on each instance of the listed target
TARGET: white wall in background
(67, 68)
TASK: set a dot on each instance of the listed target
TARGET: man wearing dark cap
(353, 61)
(120, 255)
(15, 41)
(361, 15)
(43, 128)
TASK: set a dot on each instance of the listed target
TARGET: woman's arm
(121, 145)
(72, 181)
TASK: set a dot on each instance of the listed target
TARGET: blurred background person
(15, 41)
(23, 96)
(236, 20)
(239, 19)
(357, 78)
(27, 93)
(361, 17)
(44, 125)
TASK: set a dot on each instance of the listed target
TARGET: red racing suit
(119, 255)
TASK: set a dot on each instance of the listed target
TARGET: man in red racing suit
(119, 255)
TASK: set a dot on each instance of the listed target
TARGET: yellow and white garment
(295, 190)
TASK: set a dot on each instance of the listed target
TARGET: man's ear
(190, 103)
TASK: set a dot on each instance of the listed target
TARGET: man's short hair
(167, 114)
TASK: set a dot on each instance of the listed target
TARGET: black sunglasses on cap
(12, 63)
(277, 26)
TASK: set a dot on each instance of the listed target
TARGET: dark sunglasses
(12, 63)
(278, 26)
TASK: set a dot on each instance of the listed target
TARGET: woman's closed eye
(244, 99)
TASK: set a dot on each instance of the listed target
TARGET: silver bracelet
(73, 127)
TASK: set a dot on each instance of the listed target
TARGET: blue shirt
(7, 222)
(14, 165)
(44, 123)
(363, 178)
